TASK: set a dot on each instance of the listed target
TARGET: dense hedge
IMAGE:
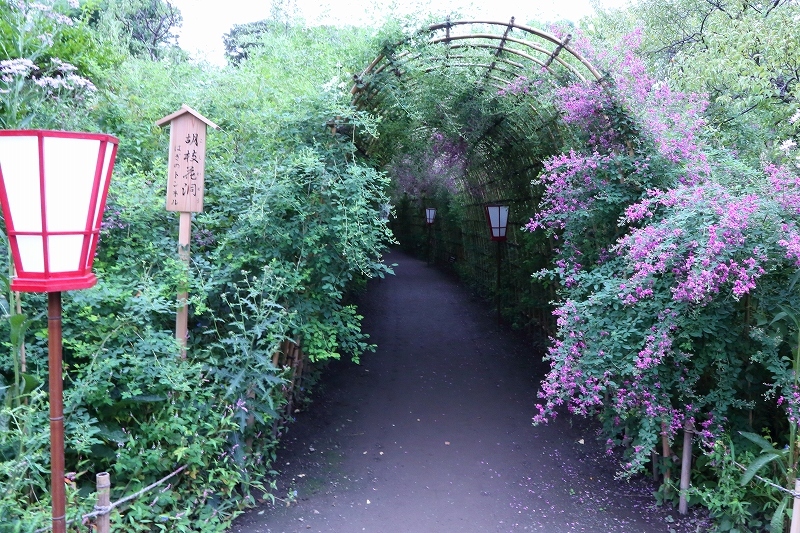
(291, 227)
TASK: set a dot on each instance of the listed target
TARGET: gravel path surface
(433, 433)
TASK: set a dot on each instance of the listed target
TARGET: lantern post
(497, 217)
(53, 191)
(430, 218)
(185, 190)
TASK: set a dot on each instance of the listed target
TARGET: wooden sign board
(187, 159)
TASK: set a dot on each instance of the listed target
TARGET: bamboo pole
(57, 491)
(103, 506)
(293, 366)
(182, 318)
(654, 461)
(686, 467)
(23, 363)
(795, 527)
(665, 455)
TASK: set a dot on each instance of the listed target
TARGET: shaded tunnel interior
(467, 117)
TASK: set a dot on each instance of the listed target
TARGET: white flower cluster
(16, 67)
(70, 82)
(787, 145)
(25, 82)
(34, 9)
(63, 76)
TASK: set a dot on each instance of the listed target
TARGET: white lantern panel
(498, 218)
(70, 165)
(103, 179)
(503, 220)
(89, 251)
(64, 252)
(430, 214)
(31, 252)
(19, 158)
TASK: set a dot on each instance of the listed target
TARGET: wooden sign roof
(183, 110)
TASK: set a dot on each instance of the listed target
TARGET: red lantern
(53, 189)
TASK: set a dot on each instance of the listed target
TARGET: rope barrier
(770, 483)
(103, 510)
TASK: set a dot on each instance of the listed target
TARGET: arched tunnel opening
(467, 118)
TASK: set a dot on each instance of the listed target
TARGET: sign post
(185, 188)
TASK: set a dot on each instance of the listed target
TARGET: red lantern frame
(19, 179)
(48, 280)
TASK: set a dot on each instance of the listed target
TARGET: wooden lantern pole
(497, 285)
(185, 190)
(56, 390)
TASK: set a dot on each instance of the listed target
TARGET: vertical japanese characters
(185, 186)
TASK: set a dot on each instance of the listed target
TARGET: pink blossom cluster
(9, 68)
(570, 184)
(791, 243)
(658, 343)
(705, 242)
(672, 118)
(682, 243)
(792, 405)
(519, 85)
(567, 381)
(784, 185)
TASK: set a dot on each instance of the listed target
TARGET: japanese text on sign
(187, 164)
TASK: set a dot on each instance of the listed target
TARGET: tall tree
(743, 55)
(148, 25)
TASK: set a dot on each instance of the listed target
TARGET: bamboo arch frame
(527, 49)
(512, 51)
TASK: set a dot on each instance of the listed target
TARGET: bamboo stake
(686, 466)
(118, 503)
(23, 362)
(182, 318)
(795, 527)
(666, 455)
(292, 363)
(103, 521)
(654, 461)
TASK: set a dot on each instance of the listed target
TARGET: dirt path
(433, 434)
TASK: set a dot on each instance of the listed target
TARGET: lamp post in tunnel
(497, 217)
(53, 190)
(430, 218)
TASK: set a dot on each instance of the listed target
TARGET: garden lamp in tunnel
(430, 217)
(53, 190)
(497, 216)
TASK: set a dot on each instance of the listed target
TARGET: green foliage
(46, 58)
(291, 226)
(733, 506)
(147, 26)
